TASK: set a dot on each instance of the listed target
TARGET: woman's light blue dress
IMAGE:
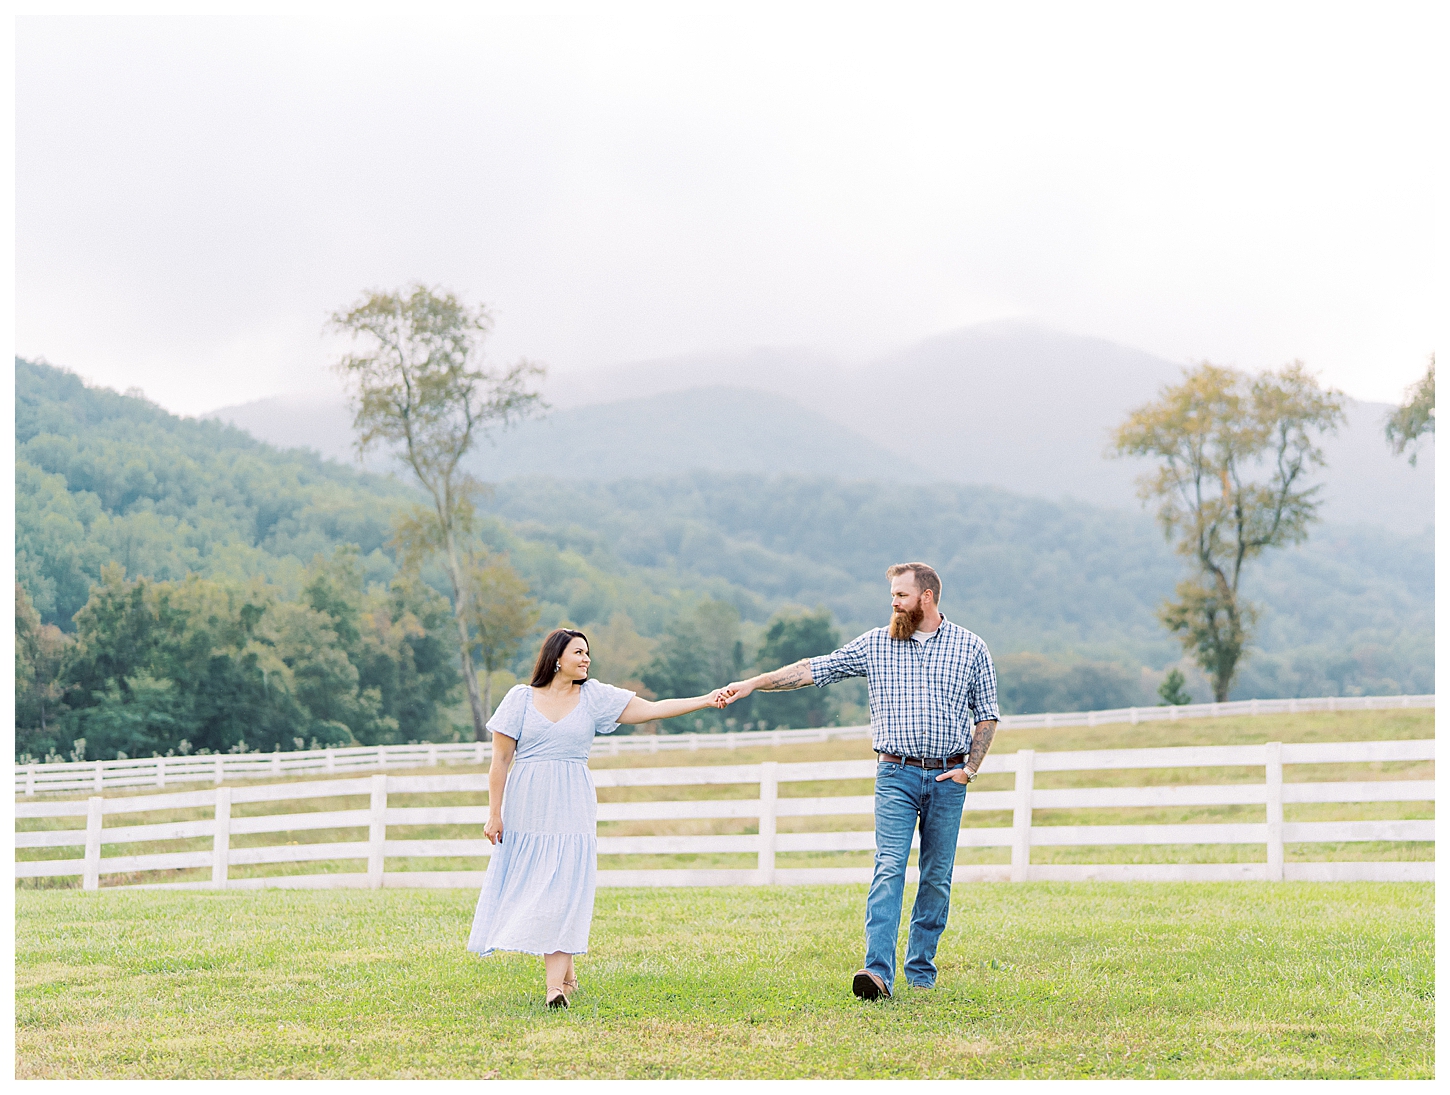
(538, 894)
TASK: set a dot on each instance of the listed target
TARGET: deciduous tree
(1234, 454)
(418, 388)
(1415, 417)
(500, 614)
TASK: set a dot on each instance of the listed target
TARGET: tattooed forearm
(981, 742)
(796, 675)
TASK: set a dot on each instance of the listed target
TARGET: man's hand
(956, 775)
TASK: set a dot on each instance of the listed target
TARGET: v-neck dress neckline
(534, 703)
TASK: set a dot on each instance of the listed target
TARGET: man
(933, 715)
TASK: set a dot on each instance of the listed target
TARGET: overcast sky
(1247, 184)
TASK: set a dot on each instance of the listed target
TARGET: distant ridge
(1009, 404)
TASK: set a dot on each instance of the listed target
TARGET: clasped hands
(724, 697)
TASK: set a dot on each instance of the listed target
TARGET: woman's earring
(556, 667)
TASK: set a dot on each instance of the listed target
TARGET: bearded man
(933, 715)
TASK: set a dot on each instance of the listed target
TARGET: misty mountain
(1012, 405)
(102, 477)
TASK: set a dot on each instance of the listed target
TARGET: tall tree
(500, 614)
(1415, 417)
(40, 652)
(791, 635)
(698, 649)
(1210, 435)
(419, 388)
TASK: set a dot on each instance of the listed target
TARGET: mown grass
(1343, 726)
(1037, 980)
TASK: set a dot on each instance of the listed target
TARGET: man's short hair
(923, 575)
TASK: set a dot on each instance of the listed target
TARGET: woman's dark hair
(551, 651)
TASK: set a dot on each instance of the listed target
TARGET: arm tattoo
(981, 742)
(797, 675)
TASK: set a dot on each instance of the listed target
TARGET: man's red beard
(905, 624)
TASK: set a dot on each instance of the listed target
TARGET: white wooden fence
(1273, 832)
(216, 768)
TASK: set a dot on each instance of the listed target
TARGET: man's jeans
(904, 795)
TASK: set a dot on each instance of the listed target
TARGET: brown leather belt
(924, 762)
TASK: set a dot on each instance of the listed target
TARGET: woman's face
(574, 662)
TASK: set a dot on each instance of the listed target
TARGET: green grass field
(1037, 980)
(1343, 726)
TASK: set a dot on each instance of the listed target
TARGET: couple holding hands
(933, 714)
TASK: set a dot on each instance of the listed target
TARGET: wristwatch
(971, 776)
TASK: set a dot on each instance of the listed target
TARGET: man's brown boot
(868, 986)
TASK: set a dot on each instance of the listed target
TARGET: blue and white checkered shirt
(925, 696)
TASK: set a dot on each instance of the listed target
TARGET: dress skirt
(538, 893)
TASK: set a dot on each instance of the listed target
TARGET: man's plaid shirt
(925, 696)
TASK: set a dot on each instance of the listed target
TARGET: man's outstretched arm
(795, 675)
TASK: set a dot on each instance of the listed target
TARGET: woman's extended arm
(498, 774)
(638, 710)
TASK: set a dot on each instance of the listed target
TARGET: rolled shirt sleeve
(983, 696)
(849, 661)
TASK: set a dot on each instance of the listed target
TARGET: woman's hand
(493, 828)
(718, 698)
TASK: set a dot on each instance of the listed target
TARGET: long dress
(538, 893)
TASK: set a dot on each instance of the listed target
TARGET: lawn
(1037, 980)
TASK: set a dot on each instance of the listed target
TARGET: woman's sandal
(555, 998)
(571, 986)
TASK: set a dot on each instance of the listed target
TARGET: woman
(538, 894)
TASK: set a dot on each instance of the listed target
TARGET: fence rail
(100, 775)
(1021, 836)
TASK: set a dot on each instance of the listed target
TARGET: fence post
(331, 760)
(377, 832)
(30, 779)
(100, 777)
(160, 771)
(91, 874)
(277, 762)
(478, 752)
(1274, 807)
(769, 792)
(1022, 816)
(221, 836)
(1133, 715)
(218, 775)
(432, 755)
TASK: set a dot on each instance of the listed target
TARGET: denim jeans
(905, 796)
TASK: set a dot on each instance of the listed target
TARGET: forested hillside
(1350, 610)
(254, 598)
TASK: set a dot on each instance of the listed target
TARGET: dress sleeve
(606, 704)
(508, 720)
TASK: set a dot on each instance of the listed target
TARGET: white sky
(1247, 184)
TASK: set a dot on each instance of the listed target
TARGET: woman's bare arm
(638, 710)
(498, 774)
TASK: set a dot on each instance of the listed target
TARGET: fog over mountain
(1008, 404)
